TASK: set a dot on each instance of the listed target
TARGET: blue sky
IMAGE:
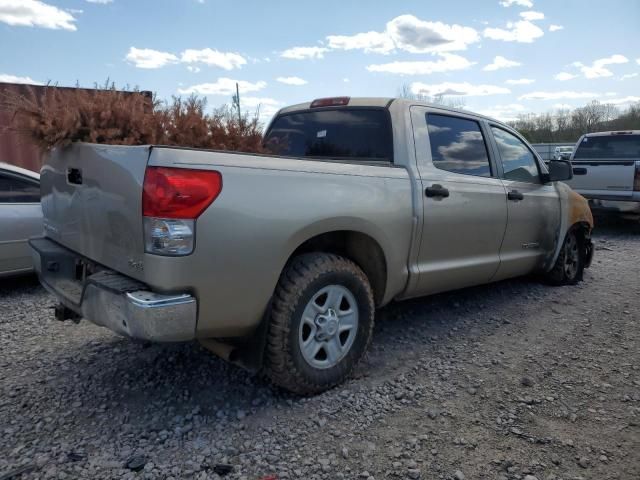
(500, 57)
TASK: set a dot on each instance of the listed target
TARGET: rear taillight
(172, 200)
(179, 192)
(636, 178)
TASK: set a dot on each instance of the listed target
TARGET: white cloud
(457, 89)
(223, 86)
(597, 68)
(520, 81)
(520, 3)
(500, 62)
(369, 42)
(522, 31)
(346, 80)
(447, 62)
(564, 76)
(418, 36)
(531, 15)
(208, 56)
(628, 75)
(506, 113)
(148, 58)
(301, 53)
(6, 78)
(562, 106)
(101, 2)
(292, 80)
(638, 61)
(410, 34)
(555, 28)
(34, 13)
(560, 95)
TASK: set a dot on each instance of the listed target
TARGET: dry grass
(60, 116)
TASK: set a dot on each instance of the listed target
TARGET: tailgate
(603, 178)
(92, 202)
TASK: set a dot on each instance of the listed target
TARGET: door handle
(515, 195)
(579, 171)
(436, 190)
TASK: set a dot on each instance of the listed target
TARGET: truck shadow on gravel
(155, 387)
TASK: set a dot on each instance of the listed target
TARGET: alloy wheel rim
(328, 327)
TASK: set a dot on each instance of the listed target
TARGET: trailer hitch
(63, 313)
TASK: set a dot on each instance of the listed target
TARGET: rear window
(614, 147)
(341, 134)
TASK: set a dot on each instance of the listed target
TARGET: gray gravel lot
(514, 380)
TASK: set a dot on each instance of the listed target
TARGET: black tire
(304, 277)
(570, 263)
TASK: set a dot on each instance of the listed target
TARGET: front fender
(574, 211)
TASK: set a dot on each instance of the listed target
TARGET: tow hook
(63, 313)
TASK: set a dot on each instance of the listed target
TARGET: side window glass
(17, 190)
(457, 145)
(518, 162)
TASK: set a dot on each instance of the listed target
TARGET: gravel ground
(514, 380)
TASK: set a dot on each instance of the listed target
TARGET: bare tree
(440, 99)
(567, 125)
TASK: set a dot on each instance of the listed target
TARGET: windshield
(346, 133)
(614, 147)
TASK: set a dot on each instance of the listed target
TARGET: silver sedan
(20, 218)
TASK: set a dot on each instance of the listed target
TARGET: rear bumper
(111, 300)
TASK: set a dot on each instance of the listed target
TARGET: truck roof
(613, 132)
(385, 101)
(7, 167)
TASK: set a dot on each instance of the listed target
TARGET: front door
(533, 207)
(464, 202)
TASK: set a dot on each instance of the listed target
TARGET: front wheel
(570, 263)
(321, 323)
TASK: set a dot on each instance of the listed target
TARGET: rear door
(533, 208)
(464, 202)
(604, 166)
(20, 218)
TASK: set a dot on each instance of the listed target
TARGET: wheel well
(582, 229)
(358, 247)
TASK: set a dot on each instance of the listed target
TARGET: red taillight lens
(179, 192)
(330, 102)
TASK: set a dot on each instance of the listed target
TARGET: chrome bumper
(111, 300)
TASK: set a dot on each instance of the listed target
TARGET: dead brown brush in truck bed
(60, 116)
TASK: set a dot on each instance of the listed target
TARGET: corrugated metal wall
(14, 148)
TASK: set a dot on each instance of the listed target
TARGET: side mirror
(559, 171)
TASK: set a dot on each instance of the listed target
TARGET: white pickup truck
(279, 261)
(606, 170)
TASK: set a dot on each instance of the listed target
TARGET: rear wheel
(321, 323)
(570, 264)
